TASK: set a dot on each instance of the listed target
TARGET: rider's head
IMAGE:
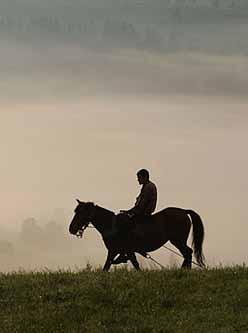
(143, 176)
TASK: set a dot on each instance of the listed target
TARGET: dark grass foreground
(213, 300)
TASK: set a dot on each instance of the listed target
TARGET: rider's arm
(142, 203)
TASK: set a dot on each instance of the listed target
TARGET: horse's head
(84, 214)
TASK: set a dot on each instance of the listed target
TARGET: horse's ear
(78, 201)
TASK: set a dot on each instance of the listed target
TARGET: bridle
(81, 231)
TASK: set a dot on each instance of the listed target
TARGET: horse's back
(171, 211)
(174, 220)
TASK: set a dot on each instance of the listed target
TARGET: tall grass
(173, 300)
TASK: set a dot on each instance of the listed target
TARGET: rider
(146, 201)
(144, 206)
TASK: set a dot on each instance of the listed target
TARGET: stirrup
(121, 259)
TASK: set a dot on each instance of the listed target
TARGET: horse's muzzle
(80, 233)
(72, 230)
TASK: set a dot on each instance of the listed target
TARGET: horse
(170, 224)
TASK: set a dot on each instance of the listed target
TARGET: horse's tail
(198, 236)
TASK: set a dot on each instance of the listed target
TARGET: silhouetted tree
(30, 231)
(6, 248)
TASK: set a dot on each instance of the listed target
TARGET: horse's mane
(107, 211)
(104, 210)
(111, 212)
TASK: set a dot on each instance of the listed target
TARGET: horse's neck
(103, 219)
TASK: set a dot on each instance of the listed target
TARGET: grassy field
(214, 300)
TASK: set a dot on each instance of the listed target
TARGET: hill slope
(213, 300)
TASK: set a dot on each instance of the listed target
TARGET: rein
(82, 230)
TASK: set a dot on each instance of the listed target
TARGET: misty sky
(78, 120)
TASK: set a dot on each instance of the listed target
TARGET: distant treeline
(160, 25)
(33, 235)
(113, 4)
(172, 32)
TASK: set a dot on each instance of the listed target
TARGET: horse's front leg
(111, 255)
(134, 261)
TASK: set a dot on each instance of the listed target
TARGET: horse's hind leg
(134, 261)
(186, 251)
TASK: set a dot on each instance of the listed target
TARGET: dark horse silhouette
(170, 224)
